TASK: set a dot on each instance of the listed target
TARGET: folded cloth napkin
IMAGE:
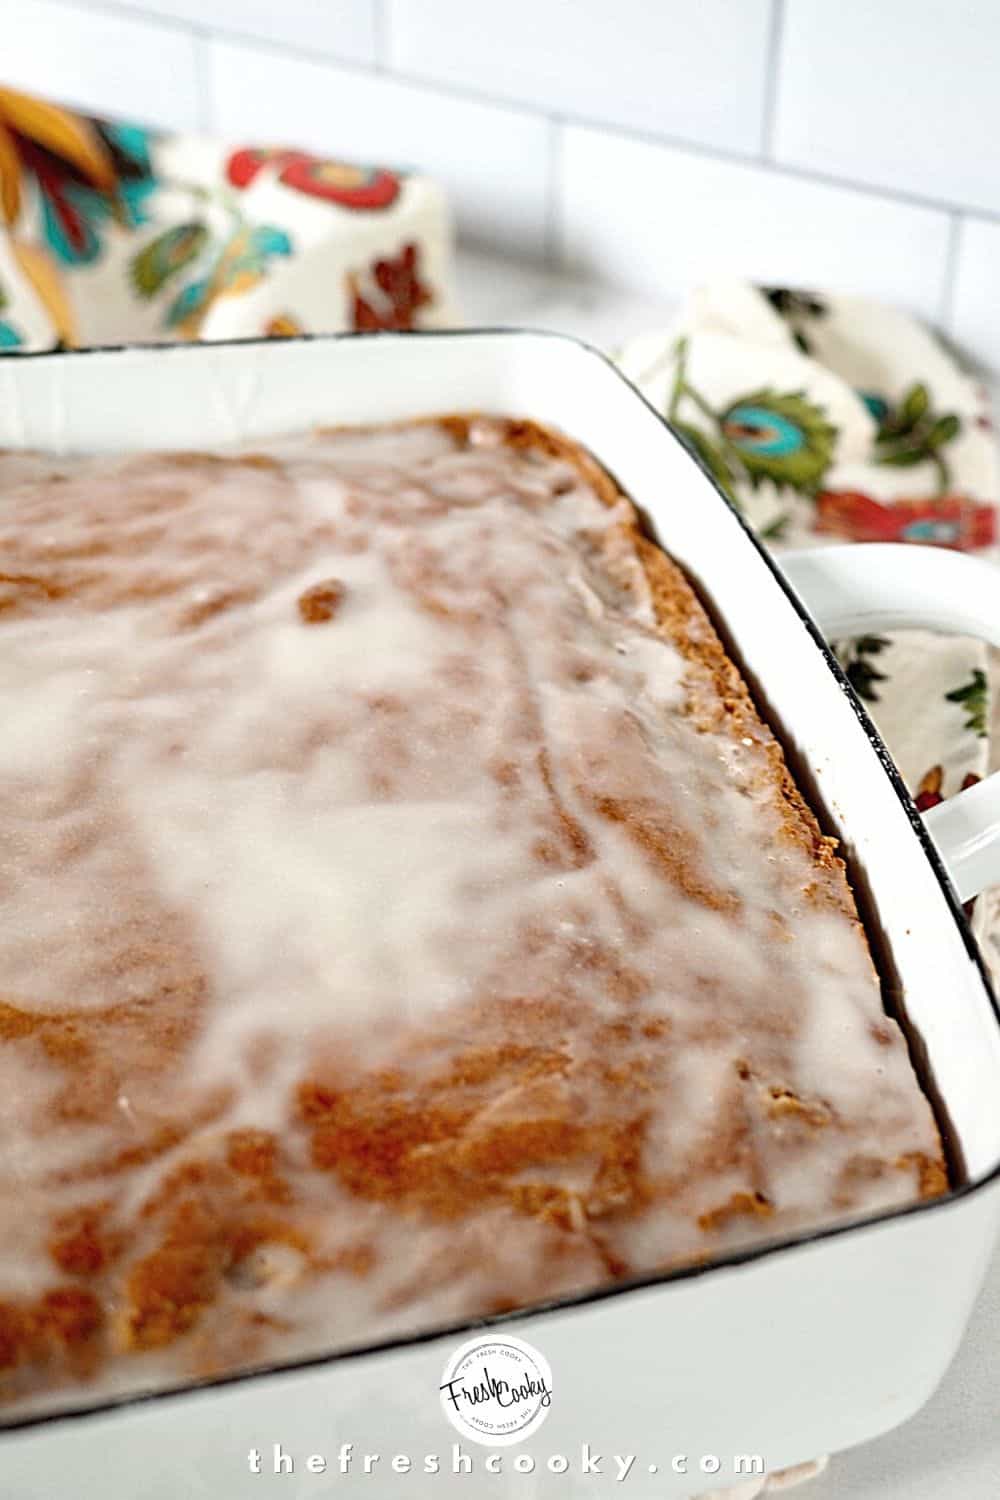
(112, 234)
(828, 418)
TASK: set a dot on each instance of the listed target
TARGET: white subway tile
(898, 93)
(662, 219)
(492, 160)
(974, 321)
(663, 66)
(338, 28)
(101, 61)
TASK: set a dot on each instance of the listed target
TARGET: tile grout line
(775, 37)
(154, 20)
(624, 133)
(790, 170)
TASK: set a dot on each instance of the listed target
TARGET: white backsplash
(844, 143)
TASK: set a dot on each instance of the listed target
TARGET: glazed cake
(405, 915)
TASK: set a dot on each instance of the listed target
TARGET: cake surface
(405, 915)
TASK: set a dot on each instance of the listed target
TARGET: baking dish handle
(861, 590)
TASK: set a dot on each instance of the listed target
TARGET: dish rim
(729, 1260)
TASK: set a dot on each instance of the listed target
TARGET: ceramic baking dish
(786, 1350)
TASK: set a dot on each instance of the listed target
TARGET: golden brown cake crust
(684, 618)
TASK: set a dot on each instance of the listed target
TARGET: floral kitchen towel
(830, 418)
(112, 234)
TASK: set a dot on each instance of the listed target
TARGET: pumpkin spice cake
(405, 915)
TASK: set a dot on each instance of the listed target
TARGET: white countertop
(494, 292)
(951, 1450)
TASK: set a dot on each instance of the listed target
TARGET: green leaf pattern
(856, 658)
(779, 436)
(974, 698)
(166, 255)
(912, 433)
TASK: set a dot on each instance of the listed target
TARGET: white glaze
(313, 813)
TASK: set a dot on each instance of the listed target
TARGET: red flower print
(333, 181)
(929, 790)
(953, 521)
(402, 294)
(245, 165)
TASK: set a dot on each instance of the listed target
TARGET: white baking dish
(786, 1351)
